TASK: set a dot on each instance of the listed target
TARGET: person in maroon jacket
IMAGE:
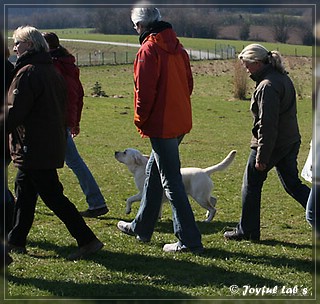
(65, 64)
(37, 136)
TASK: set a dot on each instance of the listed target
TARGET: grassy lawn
(126, 269)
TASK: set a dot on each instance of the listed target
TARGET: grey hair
(257, 52)
(145, 15)
(31, 34)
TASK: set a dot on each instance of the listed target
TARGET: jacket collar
(32, 57)
(155, 28)
(260, 75)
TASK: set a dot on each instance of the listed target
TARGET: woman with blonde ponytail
(276, 61)
(275, 141)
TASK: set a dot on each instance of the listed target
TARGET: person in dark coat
(275, 138)
(7, 199)
(37, 128)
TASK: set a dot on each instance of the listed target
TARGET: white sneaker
(175, 247)
(178, 247)
(125, 227)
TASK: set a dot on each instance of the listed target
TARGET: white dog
(197, 181)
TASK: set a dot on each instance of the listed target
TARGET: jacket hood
(163, 35)
(69, 59)
(62, 55)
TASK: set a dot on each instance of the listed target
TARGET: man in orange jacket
(163, 85)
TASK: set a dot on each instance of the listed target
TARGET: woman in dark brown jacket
(275, 138)
(37, 129)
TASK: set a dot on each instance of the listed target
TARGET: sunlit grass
(125, 269)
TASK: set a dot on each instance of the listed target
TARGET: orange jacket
(163, 85)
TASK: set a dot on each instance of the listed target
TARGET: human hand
(260, 166)
(75, 131)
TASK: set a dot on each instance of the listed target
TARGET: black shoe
(86, 250)
(235, 235)
(95, 212)
(16, 249)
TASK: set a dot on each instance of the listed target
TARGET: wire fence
(105, 58)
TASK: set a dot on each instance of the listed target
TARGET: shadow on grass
(161, 271)
(105, 290)
(205, 228)
(272, 242)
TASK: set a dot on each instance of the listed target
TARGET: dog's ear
(138, 160)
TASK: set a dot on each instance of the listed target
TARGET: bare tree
(280, 28)
(244, 30)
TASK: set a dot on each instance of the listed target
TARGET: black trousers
(29, 185)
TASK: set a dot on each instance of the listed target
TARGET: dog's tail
(222, 165)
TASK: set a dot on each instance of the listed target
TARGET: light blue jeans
(313, 208)
(163, 173)
(310, 209)
(87, 182)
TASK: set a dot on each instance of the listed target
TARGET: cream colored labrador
(197, 181)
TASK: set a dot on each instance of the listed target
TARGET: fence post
(77, 59)
(115, 57)
(102, 55)
(90, 59)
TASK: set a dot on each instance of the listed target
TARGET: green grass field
(125, 269)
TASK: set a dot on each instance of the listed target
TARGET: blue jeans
(285, 162)
(310, 209)
(313, 208)
(163, 174)
(87, 182)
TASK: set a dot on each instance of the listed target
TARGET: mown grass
(126, 269)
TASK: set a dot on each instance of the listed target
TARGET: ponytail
(275, 59)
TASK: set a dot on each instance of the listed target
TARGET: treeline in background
(266, 24)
